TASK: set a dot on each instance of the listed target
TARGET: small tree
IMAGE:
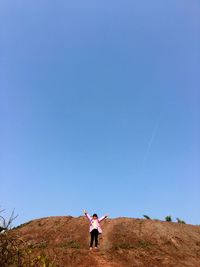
(168, 218)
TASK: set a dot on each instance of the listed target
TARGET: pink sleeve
(88, 216)
(102, 218)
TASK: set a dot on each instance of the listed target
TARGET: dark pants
(94, 236)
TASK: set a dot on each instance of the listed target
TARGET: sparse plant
(180, 221)
(147, 217)
(21, 225)
(123, 246)
(6, 224)
(71, 244)
(144, 244)
(168, 218)
(14, 251)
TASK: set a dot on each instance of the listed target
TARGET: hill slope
(124, 242)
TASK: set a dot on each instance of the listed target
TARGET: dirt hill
(125, 242)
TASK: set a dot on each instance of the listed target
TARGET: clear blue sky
(100, 108)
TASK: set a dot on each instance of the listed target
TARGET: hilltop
(125, 242)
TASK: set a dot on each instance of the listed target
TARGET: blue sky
(99, 108)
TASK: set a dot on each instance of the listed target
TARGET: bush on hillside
(147, 217)
(14, 251)
(180, 221)
(168, 218)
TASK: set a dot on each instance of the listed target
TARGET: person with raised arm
(95, 227)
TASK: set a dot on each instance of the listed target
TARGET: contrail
(155, 129)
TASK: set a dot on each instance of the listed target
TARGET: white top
(94, 224)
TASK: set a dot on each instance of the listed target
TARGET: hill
(125, 242)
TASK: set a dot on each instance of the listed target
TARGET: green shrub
(168, 218)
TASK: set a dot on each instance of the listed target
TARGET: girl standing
(95, 228)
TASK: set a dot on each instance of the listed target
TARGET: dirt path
(101, 261)
(104, 240)
(99, 256)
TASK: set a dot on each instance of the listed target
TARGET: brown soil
(124, 243)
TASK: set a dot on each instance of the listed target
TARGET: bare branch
(11, 219)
